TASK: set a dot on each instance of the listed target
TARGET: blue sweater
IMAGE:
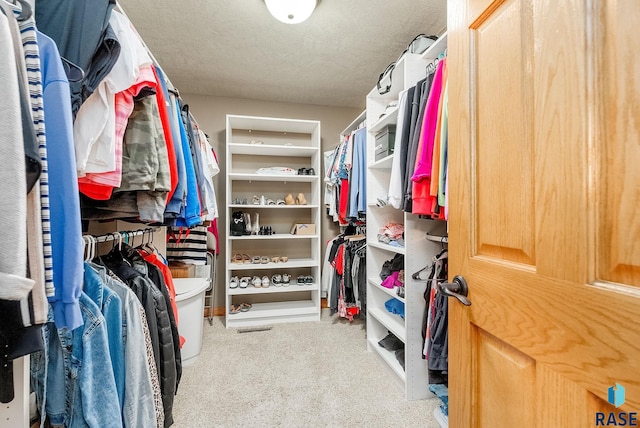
(64, 202)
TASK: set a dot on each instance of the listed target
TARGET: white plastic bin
(190, 293)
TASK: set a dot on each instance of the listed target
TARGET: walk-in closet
(319, 213)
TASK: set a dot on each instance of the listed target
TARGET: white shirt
(94, 130)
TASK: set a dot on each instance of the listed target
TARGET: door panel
(503, 402)
(561, 140)
(620, 166)
(500, 78)
(544, 188)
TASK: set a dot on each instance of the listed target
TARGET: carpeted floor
(295, 375)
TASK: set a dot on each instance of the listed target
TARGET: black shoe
(301, 171)
(308, 279)
(311, 171)
(301, 280)
(237, 224)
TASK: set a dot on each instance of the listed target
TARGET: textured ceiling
(234, 48)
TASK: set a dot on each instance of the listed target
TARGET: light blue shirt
(358, 183)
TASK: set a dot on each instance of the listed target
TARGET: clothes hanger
(416, 275)
(25, 12)
(74, 72)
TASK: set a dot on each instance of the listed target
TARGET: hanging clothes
(82, 32)
(435, 325)
(395, 195)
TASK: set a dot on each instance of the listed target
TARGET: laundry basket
(190, 293)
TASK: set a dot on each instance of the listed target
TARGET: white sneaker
(234, 282)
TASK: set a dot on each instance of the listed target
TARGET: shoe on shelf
(244, 307)
(311, 171)
(301, 171)
(308, 279)
(263, 200)
(247, 223)
(244, 282)
(286, 279)
(234, 282)
(255, 200)
(265, 281)
(288, 200)
(280, 202)
(255, 260)
(238, 225)
(300, 200)
(276, 280)
(301, 279)
(256, 282)
(233, 309)
(264, 260)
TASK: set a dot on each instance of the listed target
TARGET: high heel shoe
(300, 200)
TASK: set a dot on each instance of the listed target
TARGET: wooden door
(544, 211)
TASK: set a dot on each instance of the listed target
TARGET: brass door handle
(458, 289)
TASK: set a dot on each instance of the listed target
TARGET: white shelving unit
(258, 142)
(418, 250)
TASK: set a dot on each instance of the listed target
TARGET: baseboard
(220, 312)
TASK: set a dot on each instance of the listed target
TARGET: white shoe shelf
(414, 378)
(260, 142)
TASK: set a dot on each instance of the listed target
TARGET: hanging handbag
(386, 77)
(418, 45)
(421, 43)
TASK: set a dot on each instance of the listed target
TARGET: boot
(237, 226)
(247, 222)
(256, 224)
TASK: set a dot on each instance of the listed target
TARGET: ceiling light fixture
(291, 11)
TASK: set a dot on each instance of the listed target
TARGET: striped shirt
(187, 245)
(32, 60)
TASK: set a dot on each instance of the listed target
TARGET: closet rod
(122, 234)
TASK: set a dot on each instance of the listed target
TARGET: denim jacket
(73, 378)
(138, 409)
(110, 306)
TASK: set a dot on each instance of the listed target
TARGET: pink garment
(213, 228)
(427, 138)
(392, 280)
(100, 186)
(423, 202)
(393, 230)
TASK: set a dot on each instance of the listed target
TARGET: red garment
(344, 201)
(168, 279)
(338, 262)
(168, 136)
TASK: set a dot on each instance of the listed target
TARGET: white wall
(210, 112)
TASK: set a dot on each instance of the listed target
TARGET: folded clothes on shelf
(277, 170)
(395, 306)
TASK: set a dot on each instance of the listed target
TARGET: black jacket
(129, 266)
